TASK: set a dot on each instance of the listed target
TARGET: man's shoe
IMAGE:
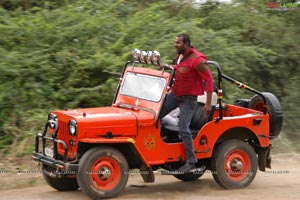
(186, 168)
(199, 170)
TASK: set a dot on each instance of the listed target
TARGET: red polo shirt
(188, 80)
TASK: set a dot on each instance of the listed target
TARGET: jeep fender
(127, 147)
(243, 133)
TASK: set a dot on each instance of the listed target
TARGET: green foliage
(28, 4)
(56, 54)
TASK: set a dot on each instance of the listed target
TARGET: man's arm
(166, 66)
(207, 106)
(203, 67)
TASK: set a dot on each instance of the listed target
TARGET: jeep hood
(103, 121)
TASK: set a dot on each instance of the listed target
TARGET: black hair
(185, 38)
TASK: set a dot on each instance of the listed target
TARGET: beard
(180, 51)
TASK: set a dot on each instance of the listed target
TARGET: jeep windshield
(143, 86)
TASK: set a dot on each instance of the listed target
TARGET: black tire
(189, 177)
(102, 172)
(273, 108)
(60, 184)
(234, 164)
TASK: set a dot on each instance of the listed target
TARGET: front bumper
(62, 164)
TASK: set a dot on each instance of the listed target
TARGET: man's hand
(207, 108)
(165, 66)
(162, 66)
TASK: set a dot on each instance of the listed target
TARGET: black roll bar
(231, 80)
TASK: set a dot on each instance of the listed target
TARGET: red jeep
(94, 148)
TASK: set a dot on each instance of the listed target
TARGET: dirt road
(282, 182)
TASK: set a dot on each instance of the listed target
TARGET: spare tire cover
(273, 108)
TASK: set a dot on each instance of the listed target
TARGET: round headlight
(155, 58)
(148, 58)
(136, 55)
(52, 120)
(51, 124)
(72, 127)
(144, 56)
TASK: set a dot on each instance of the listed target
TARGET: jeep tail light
(203, 140)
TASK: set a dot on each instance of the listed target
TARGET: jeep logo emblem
(149, 142)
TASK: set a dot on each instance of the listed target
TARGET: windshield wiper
(135, 108)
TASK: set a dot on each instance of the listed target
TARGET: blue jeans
(187, 106)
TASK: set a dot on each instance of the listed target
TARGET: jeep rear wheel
(102, 172)
(273, 108)
(60, 184)
(234, 164)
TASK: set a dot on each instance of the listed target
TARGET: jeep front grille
(63, 134)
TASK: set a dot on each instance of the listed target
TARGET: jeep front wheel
(60, 184)
(102, 172)
(234, 164)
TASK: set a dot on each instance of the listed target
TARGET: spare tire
(273, 108)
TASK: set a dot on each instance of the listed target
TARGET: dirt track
(282, 182)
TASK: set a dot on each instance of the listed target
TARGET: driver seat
(199, 119)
